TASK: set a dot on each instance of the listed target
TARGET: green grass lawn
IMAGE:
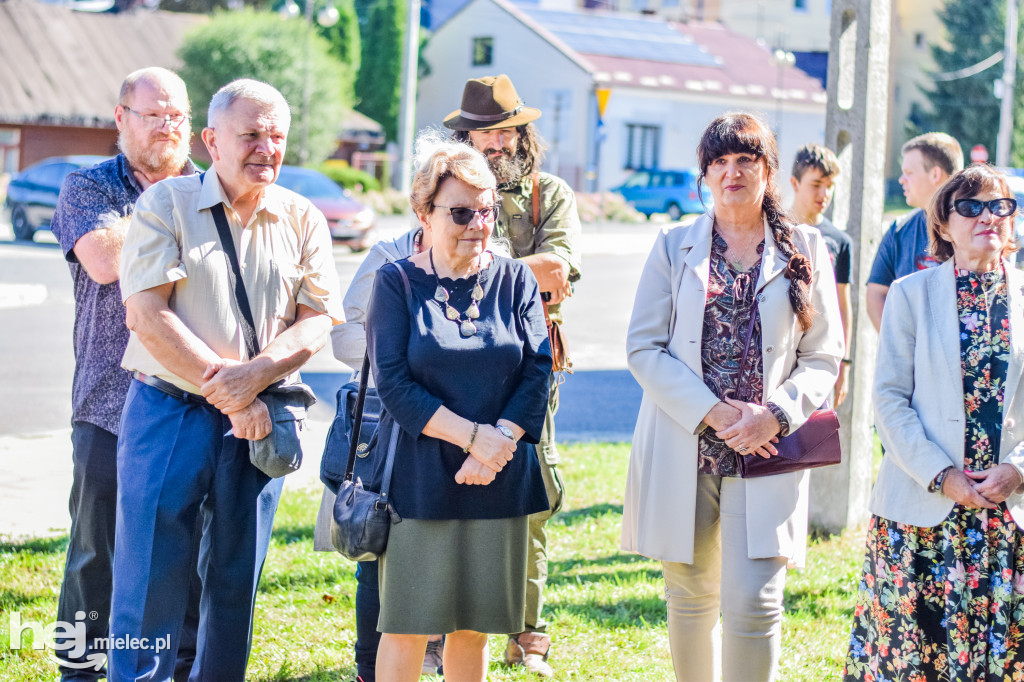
(606, 607)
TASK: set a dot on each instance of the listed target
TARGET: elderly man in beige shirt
(195, 402)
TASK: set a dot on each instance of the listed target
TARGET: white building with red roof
(667, 80)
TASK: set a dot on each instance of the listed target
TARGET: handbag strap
(235, 275)
(746, 345)
(357, 423)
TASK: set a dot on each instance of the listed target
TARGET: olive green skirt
(465, 574)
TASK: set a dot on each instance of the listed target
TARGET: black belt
(172, 390)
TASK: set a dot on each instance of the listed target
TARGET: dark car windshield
(310, 184)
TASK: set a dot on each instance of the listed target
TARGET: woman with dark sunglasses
(458, 347)
(943, 590)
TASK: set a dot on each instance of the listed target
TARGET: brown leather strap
(535, 197)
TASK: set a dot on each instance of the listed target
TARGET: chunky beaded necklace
(466, 326)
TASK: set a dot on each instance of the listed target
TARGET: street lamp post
(328, 16)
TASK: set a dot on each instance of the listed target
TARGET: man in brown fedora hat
(538, 216)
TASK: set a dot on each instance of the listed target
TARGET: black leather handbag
(362, 518)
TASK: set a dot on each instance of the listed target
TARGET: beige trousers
(750, 604)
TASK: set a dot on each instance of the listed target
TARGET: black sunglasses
(464, 216)
(972, 208)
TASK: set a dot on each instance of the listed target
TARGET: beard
(508, 169)
(167, 159)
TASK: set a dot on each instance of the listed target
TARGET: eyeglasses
(154, 121)
(464, 216)
(972, 208)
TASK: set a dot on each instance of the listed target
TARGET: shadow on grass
(814, 604)
(573, 516)
(55, 545)
(15, 600)
(292, 533)
(285, 674)
(637, 612)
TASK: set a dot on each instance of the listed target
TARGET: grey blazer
(918, 395)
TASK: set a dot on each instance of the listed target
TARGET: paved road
(599, 401)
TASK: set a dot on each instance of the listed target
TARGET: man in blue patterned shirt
(93, 211)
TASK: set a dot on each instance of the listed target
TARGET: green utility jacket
(559, 228)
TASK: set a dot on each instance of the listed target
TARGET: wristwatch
(505, 431)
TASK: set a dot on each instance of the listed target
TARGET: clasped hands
(981, 489)
(745, 427)
(490, 452)
(232, 386)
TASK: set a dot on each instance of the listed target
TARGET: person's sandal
(530, 650)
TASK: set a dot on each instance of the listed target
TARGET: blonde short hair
(438, 158)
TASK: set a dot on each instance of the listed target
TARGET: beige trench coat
(663, 346)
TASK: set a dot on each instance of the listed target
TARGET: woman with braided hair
(742, 278)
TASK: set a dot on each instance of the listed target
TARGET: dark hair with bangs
(969, 182)
(742, 133)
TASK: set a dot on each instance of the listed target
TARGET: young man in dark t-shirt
(813, 179)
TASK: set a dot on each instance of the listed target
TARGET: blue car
(666, 191)
(32, 193)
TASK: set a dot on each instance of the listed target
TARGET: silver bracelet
(472, 439)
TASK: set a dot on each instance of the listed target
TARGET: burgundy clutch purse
(815, 444)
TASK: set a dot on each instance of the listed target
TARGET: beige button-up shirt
(284, 253)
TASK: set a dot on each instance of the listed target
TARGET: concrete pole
(858, 86)
(407, 114)
(1004, 140)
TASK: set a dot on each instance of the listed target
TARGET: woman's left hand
(997, 483)
(754, 433)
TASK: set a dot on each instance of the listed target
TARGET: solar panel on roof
(630, 37)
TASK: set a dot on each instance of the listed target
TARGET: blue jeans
(90, 556)
(175, 464)
(367, 613)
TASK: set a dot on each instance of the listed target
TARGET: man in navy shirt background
(92, 214)
(928, 161)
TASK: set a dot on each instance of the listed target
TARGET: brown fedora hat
(488, 103)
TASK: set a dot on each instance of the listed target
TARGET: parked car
(32, 193)
(351, 222)
(665, 191)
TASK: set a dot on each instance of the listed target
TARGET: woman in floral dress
(942, 596)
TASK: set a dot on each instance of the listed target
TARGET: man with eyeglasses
(539, 219)
(92, 214)
(928, 161)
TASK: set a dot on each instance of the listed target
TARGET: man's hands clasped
(231, 387)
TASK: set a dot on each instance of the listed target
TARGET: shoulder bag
(814, 444)
(280, 452)
(362, 518)
(560, 360)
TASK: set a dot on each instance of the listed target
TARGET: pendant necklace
(466, 327)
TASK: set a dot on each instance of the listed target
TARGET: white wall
(543, 76)
(800, 30)
(683, 118)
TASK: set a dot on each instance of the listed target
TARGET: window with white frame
(642, 145)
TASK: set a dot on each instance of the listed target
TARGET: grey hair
(153, 74)
(252, 90)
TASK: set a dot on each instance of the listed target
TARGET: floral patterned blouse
(730, 301)
(947, 603)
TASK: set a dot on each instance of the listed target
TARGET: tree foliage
(967, 108)
(261, 45)
(379, 83)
